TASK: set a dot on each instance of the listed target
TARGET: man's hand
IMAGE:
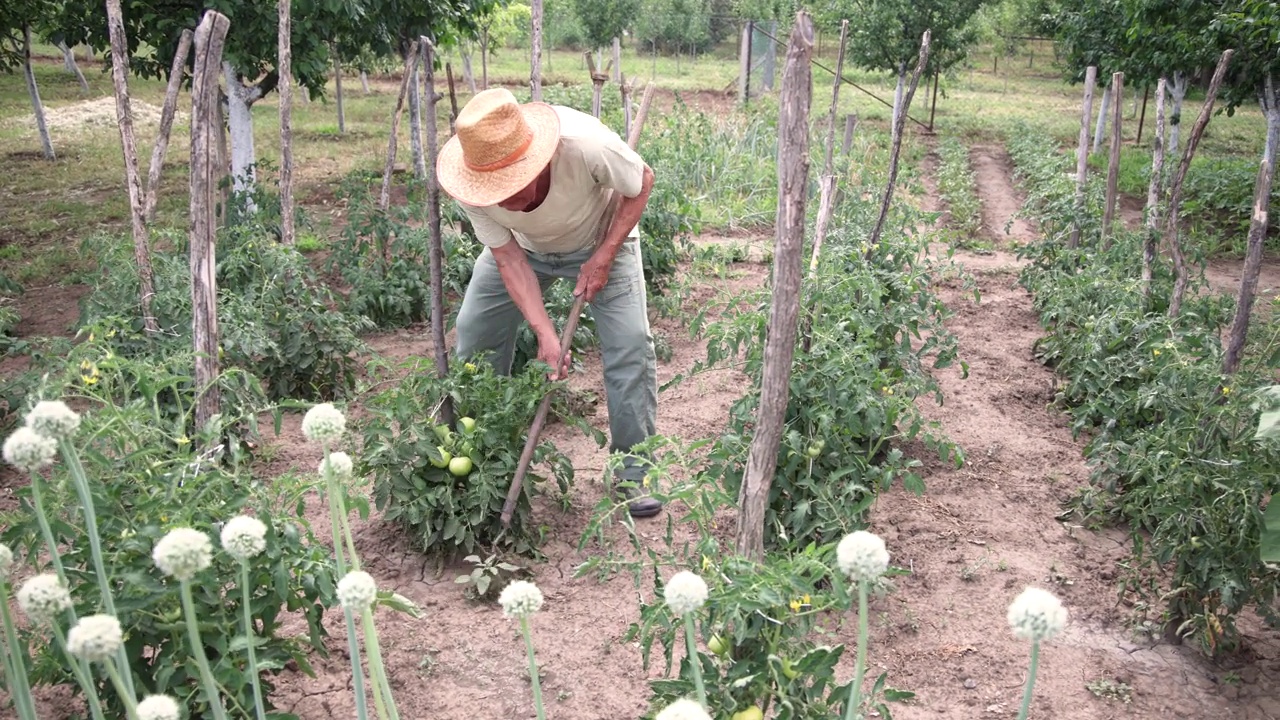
(593, 275)
(548, 352)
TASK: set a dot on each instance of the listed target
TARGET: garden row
(1171, 442)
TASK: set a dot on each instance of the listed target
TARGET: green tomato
(443, 432)
(815, 448)
(751, 713)
(718, 645)
(460, 466)
(468, 425)
(445, 457)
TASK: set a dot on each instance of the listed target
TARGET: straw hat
(500, 147)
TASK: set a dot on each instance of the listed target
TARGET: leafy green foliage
(604, 20)
(488, 576)
(875, 327)
(956, 187)
(1171, 448)
(445, 508)
(147, 477)
(275, 316)
(886, 34)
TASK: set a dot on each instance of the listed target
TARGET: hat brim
(482, 189)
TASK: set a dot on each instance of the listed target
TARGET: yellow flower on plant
(469, 367)
(795, 606)
(1226, 391)
(184, 440)
(1156, 352)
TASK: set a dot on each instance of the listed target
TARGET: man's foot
(638, 504)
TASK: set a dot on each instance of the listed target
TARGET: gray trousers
(489, 319)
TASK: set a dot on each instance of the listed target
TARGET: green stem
(691, 648)
(353, 644)
(855, 692)
(1031, 680)
(382, 687)
(533, 667)
(249, 636)
(197, 649)
(130, 702)
(84, 676)
(81, 483)
(16, 663)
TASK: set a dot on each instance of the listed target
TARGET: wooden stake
(384, 200)
(850, 124)
(1113, 161)
(285, 88)
(598, 79)
(337, 80)
(1142, 117)
(445, 415)
(124, 117)
(624, 88)
(535, 56)
(744, 64)
(566, 337)
(1257, 232)
(1151, 231)
(209, 38)
(453, 99)
(176, 73)
(827, 185)
(617, 61)
(1082, 152)
(896, 152)
(780, 337)
(1175, 187)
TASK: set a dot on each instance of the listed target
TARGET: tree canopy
(885, 34)
(604, 20)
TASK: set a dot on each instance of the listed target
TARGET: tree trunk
(205, 175)
(285, 68)
(1101, 127)
(1175, 187)
(744, 64)
(1082, 152)
(176, 73)
(240, 101)
(1177, 91)
(1270, 102)
(780, 340)
(827, 186)
(896, 151)
(133, 182)
(364, 81)
(433, 228)
(46, 144)
(535, 52)
(1151, 232)
(415, 124)
(484, 60)
(467, 74)
(1113, 162)
(69, 62)
(337, 91)
(617, 60)
(453, 97)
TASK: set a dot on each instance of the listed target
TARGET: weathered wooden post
(209, 39)
(1113, 160)
(124, 117)
(598, 79)
(1151, 232)
(850, 124)
(827, 184)
(1175, 186)
(535, 53)
(176, 72)
(744, 63)
(384, 200)
(337, 79)
(445, 415)
(896, 152)
(780, 341)
(285, 88)
(1082, 152)
(453, 99)
(624, 88)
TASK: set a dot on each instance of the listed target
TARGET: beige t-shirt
(590, 162)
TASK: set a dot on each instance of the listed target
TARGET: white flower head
(52, 418)
(862, 556)
(28, 450)
(340, 462)
(95, 638)
(357, 590)
(158, 707)
(324, 423)
(244, 537)
(520, 599)
(43, 598)
(684, 709)
(183, 553)
(685, 592)
(1037, 615)
(6, 562)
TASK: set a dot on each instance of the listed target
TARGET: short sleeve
(615, 165)
(489, 232)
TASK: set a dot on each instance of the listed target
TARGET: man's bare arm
(595, 272)
(522, 285)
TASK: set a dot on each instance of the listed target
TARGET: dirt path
(980, 534)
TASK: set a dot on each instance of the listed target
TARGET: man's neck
(543, 189)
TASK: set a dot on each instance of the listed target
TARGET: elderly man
(536, 181)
